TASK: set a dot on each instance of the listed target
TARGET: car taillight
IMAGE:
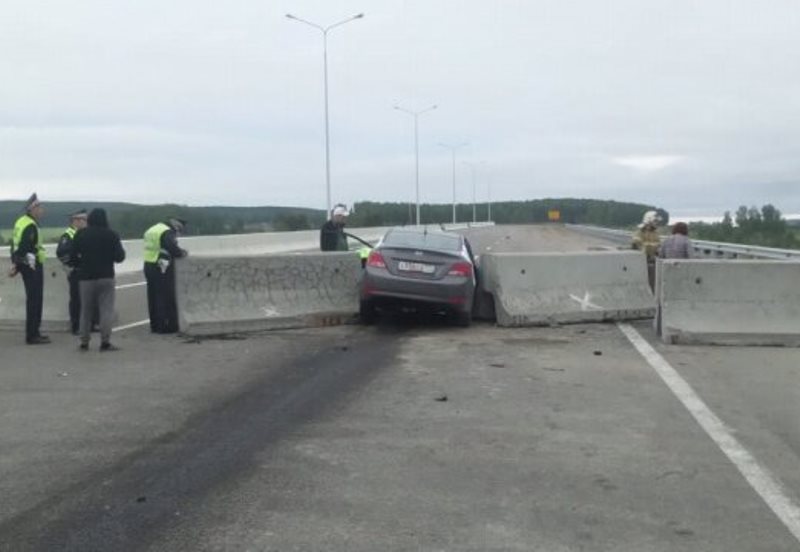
(376, 260)
(461, 270)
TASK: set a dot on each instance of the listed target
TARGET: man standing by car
(77, 221)
(27, 258)
(95, 249)
(160, 251)
(331, 235)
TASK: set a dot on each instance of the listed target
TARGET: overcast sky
(691, 105)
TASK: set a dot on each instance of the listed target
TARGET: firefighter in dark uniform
(27, 258)
(160, 251)
(77, 221)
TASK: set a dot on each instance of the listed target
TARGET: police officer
(27, 257)
(332, 236)
(160, 251)
(77, 221)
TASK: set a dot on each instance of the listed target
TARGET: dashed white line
(129, 326)
(767, 486)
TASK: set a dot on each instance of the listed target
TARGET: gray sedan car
(419, 268)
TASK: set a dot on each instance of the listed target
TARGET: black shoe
(83, 347)
(38, 340)
(108, 347)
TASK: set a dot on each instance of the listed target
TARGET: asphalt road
(411, 435)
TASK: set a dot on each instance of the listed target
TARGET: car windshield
(432, 240)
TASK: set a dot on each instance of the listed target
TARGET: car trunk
(417, 264)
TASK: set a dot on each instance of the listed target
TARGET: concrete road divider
(730, 302)
(534, 289)
(55, 315)
(219, 295)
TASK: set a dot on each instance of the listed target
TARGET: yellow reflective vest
(20, 226)
(152, 242)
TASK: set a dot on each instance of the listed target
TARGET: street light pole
(416, 115)
(489, 199)
(453, 149)
(474, 167)
(324, 31)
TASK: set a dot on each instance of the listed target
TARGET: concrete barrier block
(55, 315)
(733, 302)
(534, 289)
(219, 295)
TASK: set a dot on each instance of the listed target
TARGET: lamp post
(453, 148)
(324, 31)
(474, 167)
(416, 115)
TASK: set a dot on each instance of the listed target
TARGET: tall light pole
(453, 148)
(324, 31)
(416, 115)
(489, 199)
(474, 167)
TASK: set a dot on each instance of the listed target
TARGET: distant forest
(752, 226)
(131, 220)
(574, 211)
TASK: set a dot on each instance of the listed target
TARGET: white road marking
(768, 487)
(127, 286)
(585, 303)
(129, 326)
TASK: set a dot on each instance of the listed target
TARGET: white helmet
(650, 218)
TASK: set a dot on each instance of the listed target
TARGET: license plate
(415, 267)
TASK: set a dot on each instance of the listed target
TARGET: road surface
(411, 435)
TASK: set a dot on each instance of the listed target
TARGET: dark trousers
(161, 303)
(74, 302)
(34, 299)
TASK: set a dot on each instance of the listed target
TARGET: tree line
(131, 220)
(751, 226)
(573, 211)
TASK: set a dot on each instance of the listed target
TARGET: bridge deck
(551, 439)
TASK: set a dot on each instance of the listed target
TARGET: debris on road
(598, 353)
(441, 398)
(141, 499)
(497, 365)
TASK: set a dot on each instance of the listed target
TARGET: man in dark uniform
(332, 236)
(27, 257)
(160, 251)
(77, 221)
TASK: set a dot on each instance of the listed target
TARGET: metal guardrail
(702, 247)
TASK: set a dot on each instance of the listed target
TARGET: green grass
(49, 234)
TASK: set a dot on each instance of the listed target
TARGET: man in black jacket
(27, 258)
(94, 251)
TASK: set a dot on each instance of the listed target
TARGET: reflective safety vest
(70, 233)
(152, 242)
(20, 226)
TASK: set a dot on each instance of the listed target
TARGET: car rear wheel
(367, 312)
